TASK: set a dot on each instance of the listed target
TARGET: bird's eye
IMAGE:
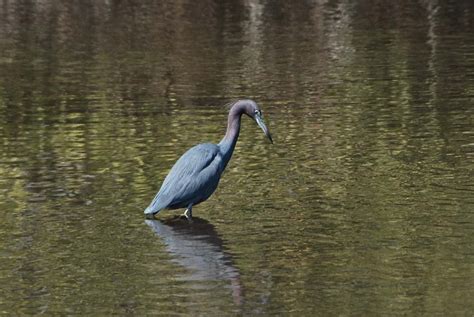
(257, 112)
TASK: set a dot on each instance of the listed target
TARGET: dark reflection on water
(363, 206)
(199, 249)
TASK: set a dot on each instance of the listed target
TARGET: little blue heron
(195, 176)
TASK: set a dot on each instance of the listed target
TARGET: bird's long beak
(262, 125)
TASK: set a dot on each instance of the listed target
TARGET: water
(363, 206)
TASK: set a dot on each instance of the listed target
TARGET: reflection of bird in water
(195, 176)
(198, 248)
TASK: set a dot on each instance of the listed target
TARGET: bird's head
(253, 111)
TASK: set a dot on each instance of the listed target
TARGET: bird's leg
(188, 213)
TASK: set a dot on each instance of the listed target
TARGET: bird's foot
(188, 214)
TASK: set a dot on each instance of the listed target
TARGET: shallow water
(363, 206)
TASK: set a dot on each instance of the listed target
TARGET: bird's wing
(189, 177)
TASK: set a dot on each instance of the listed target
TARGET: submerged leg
(188, 213)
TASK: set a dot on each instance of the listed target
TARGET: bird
(195, 175)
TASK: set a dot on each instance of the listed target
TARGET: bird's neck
(228, 142)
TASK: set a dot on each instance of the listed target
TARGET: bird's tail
(149, 212)
(156, 206)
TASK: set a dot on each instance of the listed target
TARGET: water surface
(363, 206)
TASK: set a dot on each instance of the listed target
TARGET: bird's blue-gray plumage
(192, 179)
(195, 176)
